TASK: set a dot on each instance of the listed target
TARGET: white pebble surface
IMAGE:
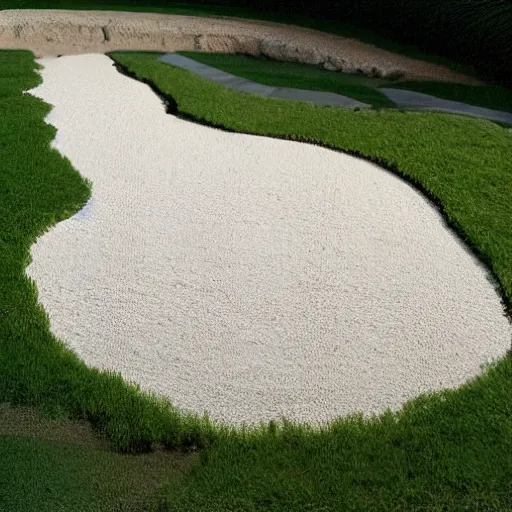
(250, 277)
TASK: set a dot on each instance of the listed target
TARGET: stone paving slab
(244, 85)
(318, 97)
(419, 101)
(409, 100)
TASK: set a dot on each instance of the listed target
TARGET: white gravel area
(250, 277)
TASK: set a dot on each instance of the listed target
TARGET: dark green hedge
(475, 32)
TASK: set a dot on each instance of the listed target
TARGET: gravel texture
(250, 277)
(59, 32)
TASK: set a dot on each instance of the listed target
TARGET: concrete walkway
(402, 98)
(419, 101)
(244, 85)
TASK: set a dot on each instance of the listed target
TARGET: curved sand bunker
(57, 32)
(247, 276)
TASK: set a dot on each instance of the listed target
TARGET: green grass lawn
(48, 465)
(356, 86)
(442, 452)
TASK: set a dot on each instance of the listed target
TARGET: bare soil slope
(59, 32)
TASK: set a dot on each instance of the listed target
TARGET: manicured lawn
(448, 451)
(357, 86)
(48, 465)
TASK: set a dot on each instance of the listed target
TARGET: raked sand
(250, 277)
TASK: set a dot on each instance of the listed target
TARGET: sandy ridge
(60, 32)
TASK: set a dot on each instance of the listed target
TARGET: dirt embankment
(246, 276)
(58, 32)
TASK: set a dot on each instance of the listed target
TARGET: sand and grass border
(37, 370)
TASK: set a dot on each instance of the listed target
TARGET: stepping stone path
(419, 101)
(244, 85)
(402, 98)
